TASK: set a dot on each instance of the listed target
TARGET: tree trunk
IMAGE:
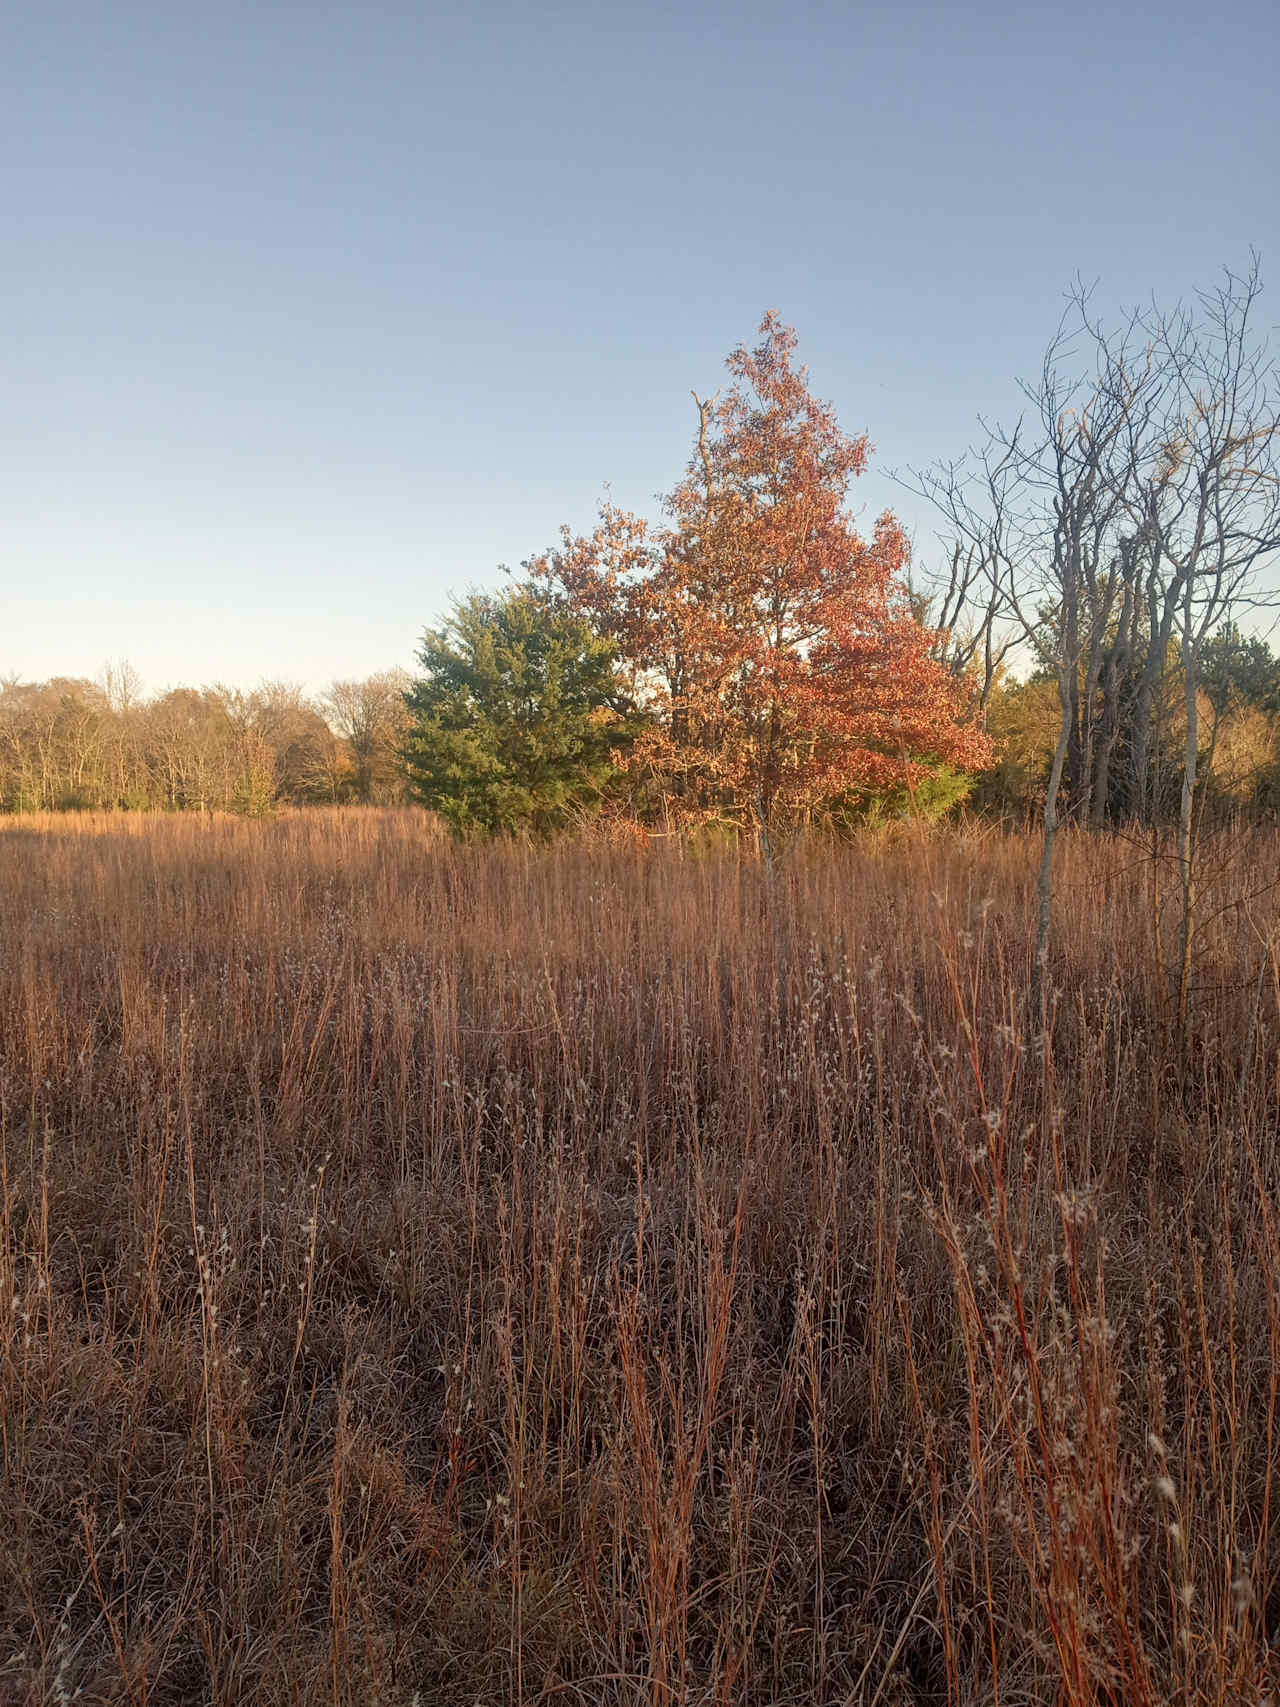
(1186, 840)
(1045, 886)
(1160, 631)
(1114, 681)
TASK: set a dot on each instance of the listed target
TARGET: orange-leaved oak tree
(775, 648)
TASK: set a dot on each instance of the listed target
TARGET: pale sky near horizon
(315, 314)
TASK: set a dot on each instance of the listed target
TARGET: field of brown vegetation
(600, 1274)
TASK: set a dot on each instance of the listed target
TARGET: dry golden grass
(597, 1275)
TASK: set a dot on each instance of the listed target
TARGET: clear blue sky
(314, 314)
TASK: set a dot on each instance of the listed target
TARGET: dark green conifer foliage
(518, 717)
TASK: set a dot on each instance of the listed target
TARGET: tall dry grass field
(601, 1275)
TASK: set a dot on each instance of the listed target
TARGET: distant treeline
(753, 665)
(70, 744)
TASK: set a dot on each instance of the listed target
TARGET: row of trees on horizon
(751, 661)
(71, 744)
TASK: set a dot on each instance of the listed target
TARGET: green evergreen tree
(517, 718)
(1237, 668)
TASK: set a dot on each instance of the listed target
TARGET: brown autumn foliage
(604, 1275)
(74, 745)
(778, 650)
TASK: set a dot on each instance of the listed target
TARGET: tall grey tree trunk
(1113, 678)
(1161, 619)
(1044, 920)
(1186, 821)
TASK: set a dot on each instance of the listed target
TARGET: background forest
(1086, 643)
(72, 744)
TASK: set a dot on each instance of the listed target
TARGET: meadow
(619, 1274)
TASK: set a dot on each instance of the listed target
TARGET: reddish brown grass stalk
(621, 1275)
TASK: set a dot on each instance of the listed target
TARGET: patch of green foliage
(938, 792)
(518, 717)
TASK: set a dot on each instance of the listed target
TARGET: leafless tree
(370, 716)
(1130, 508)
(1207, 504)
(964, 604)
(1034, 516)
